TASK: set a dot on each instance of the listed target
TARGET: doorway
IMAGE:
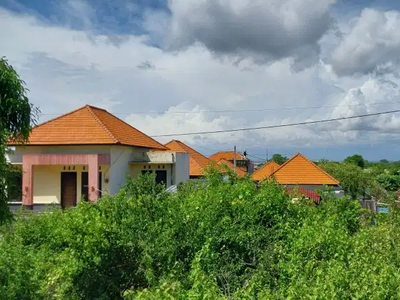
(68, 189)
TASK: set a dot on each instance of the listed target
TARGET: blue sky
(200, 65)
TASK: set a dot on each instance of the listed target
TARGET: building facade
(86, 154)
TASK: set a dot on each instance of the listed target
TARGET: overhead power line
(277, 126)
(235, 110)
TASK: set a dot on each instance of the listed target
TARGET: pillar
(27, 182)
(93, 180)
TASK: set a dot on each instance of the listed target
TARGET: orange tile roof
(90, 125)
(265, 171)
(197, 161)
(228, 155)
(239, 171)
(300, 170)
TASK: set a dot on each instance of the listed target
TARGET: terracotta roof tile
(300, 170)
(89, 125)
(239, 171)
(197, 161)
(265, 171)
(228, 155)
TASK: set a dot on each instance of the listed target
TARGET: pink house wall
(91, 160)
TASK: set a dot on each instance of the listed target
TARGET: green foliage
(389, 182)
(213, 240)
(354, 181)
(16, 118)
(279, 159)
(357, 160)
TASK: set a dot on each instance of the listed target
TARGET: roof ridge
(60, 116)
(313, 164)
(126, 123)
(90, 109)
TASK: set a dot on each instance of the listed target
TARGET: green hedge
(217, 240)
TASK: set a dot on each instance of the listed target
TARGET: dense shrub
(214, 240)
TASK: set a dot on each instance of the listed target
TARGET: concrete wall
(181, 168)
(135, 170)
(119, 168)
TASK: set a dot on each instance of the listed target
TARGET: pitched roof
(197, 161)
(265, 171)
(228, 155)
(240, 172)
(300, 170)
(90, 125)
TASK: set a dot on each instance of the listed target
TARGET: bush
(213, 240)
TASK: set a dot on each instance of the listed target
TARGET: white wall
(119, 168)
(181, 168)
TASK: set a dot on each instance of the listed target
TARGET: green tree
(354, 180)
(389, 182)
(16, 117)
(357, 160)
(279, 159)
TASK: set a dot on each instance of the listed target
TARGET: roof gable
(265, 171)
(89, 125)
(197, 162)
(300, 170)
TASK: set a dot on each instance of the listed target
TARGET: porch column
(27, 182)
(93, 167)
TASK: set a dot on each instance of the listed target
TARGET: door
(68, 189)
(161, 177)
(85, 185)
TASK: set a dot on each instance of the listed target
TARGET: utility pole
(267, 156)
(234, 159)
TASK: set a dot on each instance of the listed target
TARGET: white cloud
(66, 68)
(370, 45)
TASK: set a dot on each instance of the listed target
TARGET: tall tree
(279, 159)
(357, 160)
(17, 115)
(354, 180)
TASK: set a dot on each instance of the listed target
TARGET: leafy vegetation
(16, 117)
(279, 159)
(213, 240)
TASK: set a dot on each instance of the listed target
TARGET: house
(197, 161)
(298, 172)
(265, 171)
(242, 162)
(86, 153)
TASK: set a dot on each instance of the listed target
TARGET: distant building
(242, 162)
(198, 162)
(301, 174)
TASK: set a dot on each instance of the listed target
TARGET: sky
(187, 66)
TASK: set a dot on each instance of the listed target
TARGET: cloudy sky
(178, 66)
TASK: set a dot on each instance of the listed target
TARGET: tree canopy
(17, 115)
(279, 159)
(357, 160)
(213, 240)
